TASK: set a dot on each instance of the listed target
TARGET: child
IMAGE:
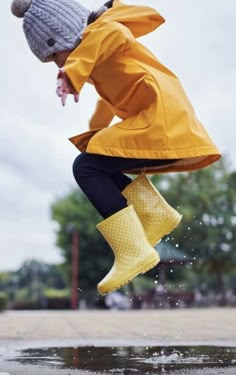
(157, 132)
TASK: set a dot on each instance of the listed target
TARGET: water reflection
(131, 360)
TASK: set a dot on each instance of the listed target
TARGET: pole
(75, 269)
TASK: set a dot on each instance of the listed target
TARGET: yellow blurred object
(157, 119)
(133, 253)
(156, 215)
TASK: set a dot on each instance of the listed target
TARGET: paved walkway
(37, 329)
(187, 325)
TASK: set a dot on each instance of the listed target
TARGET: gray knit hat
(51, 25)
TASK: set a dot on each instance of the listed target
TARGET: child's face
(59, 58)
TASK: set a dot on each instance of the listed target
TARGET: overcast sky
(197, 42)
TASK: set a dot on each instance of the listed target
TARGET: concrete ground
(34, 329)
(183, 325)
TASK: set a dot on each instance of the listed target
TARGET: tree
(206, 198)
(95, 255)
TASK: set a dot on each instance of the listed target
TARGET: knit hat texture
(51, 26)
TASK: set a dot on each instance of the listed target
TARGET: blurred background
(46, 223)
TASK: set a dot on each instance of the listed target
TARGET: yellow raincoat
(157, 119)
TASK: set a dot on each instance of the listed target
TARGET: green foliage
(35, 272)
(56, 293)
(95, 257)
(4, 278)
(22, 294)
(143, 283)
(3, 301)
(25, 287)
(206, 198)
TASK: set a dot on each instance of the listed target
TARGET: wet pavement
(126, 360)
(180, 342)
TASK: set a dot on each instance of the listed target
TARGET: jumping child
(157, 132)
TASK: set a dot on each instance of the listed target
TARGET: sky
(197, 43)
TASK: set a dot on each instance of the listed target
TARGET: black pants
(101, 179)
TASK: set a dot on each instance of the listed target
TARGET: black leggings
(101, 179)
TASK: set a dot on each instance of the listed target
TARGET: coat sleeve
(101, 117)
(97, 46)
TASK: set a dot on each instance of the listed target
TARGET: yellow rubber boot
(133, 253)
(156, 215)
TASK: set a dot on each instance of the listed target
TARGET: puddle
(131, 360)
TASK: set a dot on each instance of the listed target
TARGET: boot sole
(155, 239)
(142, 270)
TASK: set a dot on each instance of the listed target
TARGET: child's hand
(64, 87)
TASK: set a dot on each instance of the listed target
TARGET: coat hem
(152, 154)
(186, 160)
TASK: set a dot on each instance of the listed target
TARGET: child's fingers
(64, 88)
(59, 89)
(63, 98)
(59, 92)
(76, 97)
